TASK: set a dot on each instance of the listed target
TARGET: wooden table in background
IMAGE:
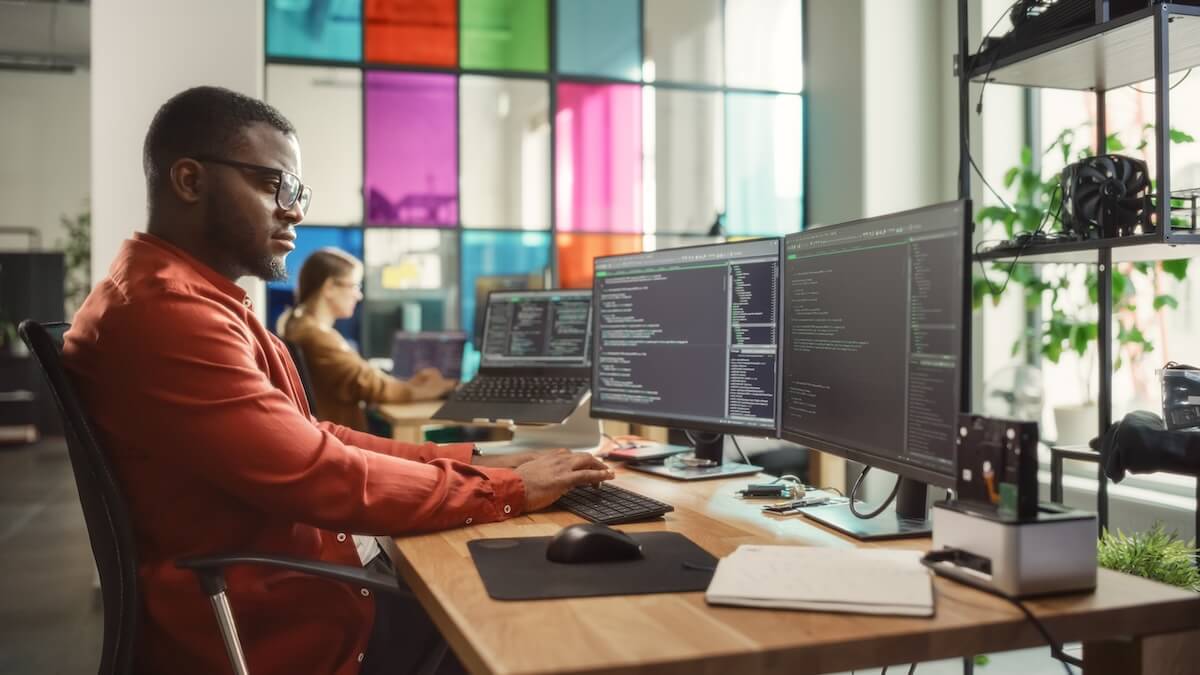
(1129, 625)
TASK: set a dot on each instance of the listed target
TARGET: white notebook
(861, 581)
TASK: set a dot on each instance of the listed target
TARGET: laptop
(535, 363)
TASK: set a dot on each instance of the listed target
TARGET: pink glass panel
(598, 158)
(412, 149)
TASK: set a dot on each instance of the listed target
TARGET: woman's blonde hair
(323, 264)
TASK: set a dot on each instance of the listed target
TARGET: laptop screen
(525, 329)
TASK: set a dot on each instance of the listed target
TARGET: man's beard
(231, 234)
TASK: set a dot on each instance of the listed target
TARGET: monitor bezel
(868, 457)
(679, 422)
(543, 368)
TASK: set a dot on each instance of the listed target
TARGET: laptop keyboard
(523, 389)
(611, 505)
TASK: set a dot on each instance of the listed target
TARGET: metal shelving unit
(1152, 42)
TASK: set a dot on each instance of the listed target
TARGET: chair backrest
(305, 374)
(104, 511)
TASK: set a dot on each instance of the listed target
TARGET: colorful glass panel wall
(412, 32)
(683, 41)
(325, 106)
(577, 251)
(598, 160)
(314, 29)
(412, 149)
(282, 294)
(599, 38)
(505, 35)
(505, 130)
(764, 181)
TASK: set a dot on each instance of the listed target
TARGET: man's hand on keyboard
(550, 476)
(514, 460)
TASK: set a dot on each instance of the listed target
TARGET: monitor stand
(705, 463)
(579, 433)
(906, 519)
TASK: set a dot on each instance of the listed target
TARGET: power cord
(931, 560)
(1025, 240)
(882, 507)
(1170, 88)
(737, 445)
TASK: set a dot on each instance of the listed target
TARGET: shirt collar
(223, 284)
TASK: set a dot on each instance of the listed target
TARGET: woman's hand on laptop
(549, 476)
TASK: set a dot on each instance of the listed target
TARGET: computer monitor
(688, 337)
(875, 326)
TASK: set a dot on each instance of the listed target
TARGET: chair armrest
(210, 571)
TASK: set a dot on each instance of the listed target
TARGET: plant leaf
(1178, 136)
(1114, 144)
(1165, 301)
(1176, 268)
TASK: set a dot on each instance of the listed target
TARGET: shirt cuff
(508, 491)
(459, 452)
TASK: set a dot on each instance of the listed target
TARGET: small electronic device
(1053, 552)
(997, 466)
(635, 451)
(774, 490)
(592, 543)
(1180, 396)
(804, 502)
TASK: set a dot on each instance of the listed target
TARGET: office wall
(44, 152)
(143, 52)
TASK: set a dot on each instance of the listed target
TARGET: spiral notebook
(853, 580)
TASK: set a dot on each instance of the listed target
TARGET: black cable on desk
(882, 507)
(931, 559)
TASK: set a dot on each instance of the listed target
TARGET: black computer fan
(1106, 196)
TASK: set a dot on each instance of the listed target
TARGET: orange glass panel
(418, 32)
(576, 252)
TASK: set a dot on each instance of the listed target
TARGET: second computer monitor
(688, 337)
(875, 316)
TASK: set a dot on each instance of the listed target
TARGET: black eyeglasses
(289, 191)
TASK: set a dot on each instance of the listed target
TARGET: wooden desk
(410, 420)
(1158, 626)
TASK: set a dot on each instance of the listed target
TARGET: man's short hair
(201, 121)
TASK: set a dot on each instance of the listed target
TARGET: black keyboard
(611, 505)
(523, 389)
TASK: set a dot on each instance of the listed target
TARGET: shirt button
(246, 302)
(365, 592)
(507, 508)
(341, 536)
(469, 520)
(361, 656)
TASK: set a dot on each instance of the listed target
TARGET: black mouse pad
(517, 569)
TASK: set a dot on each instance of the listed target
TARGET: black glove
(1140, 443)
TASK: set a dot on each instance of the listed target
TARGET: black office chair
(111, 532)
(305, 374)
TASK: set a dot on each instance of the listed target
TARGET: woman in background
(329, 287)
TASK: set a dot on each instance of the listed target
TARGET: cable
(912, 669)
(737, 445)
(931, 560)
(882, 507)
(992, 63)
(1020, 250)
(979, 172)
(1170, 88)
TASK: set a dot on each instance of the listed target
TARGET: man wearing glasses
(210, 434)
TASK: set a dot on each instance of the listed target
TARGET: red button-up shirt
(204, 417)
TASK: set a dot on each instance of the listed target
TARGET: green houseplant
(1069, 292)
(1157, 555)
(77, 259)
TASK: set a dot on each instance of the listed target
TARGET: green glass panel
(504, 35)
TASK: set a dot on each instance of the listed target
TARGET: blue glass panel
(764, 180)
(281, 294)
(495, 260)
(315, 29)
(599, 37)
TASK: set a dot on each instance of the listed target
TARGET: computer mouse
(592, 543)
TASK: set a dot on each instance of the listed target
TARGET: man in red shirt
(211, 436)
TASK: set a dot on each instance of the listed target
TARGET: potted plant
(77, 259)
(1070, 292)
(1156, 555)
